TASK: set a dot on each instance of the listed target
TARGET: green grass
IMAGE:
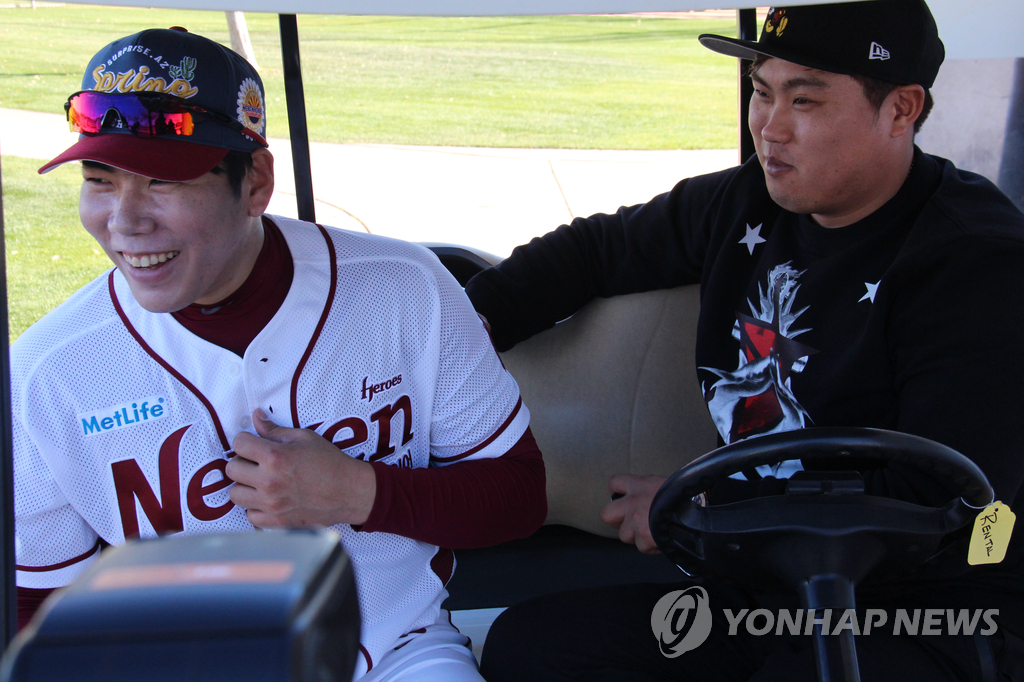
(562, 82)
(49, 253)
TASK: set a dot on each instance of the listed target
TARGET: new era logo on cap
(899, 36)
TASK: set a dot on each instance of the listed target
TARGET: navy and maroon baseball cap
(891, 40)
(167, 104)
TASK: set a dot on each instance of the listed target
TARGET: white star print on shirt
(872, 288)
(752, 238)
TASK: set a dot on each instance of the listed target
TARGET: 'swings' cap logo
(250, 106)
(878, 52)
(776, 21)
(138, 77)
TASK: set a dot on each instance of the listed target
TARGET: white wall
(968, 123)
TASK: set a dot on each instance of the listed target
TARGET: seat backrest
(613, 389)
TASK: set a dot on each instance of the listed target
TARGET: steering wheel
(824, 535)
(824, 524)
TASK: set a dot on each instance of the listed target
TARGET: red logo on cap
(776, 21)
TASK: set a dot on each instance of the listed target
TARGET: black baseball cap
(892, 40)
(184, 71)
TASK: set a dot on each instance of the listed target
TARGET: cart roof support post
(297, 117)
(746, 20)
(9, 621)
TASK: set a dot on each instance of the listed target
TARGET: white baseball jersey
(124, 419)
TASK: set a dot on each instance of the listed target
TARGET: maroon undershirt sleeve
(473, 503)
(29, 601)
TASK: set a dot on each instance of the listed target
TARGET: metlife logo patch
(124, 415)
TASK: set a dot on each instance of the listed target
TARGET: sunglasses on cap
(143, 114)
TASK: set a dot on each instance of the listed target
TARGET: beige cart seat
(613, 389)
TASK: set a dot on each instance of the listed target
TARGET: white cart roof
(975, 29)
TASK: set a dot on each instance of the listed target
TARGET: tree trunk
(240, 42)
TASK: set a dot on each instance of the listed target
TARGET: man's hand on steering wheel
(630, 508)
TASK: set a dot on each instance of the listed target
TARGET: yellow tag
(991, 534)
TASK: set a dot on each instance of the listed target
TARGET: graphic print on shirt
(757, 397)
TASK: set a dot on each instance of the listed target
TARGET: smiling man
(216, 379)
(847, 279)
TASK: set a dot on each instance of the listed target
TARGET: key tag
(991, 534)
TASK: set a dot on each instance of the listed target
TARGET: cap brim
(733, 47)
(156, 158)
(748, 49)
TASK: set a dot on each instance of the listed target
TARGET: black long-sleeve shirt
(909, 320)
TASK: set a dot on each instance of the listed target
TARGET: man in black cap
(236, 370)
(847, 279)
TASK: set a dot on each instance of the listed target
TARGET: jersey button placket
(234, 370)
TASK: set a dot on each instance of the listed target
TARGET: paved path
(492, 199)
